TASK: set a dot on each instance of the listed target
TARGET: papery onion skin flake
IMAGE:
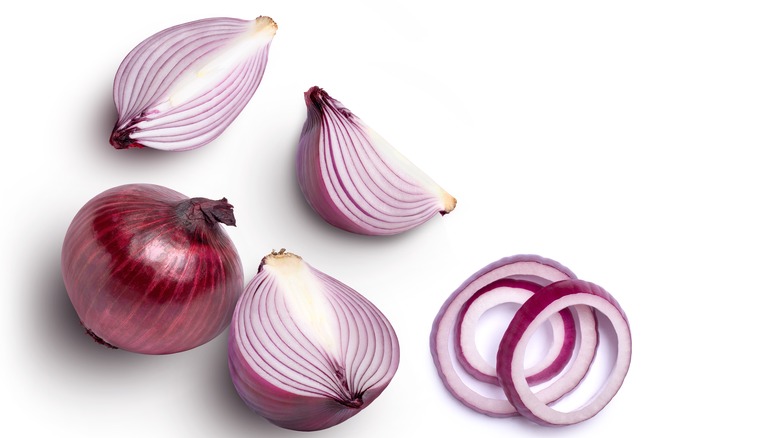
(150, 270)
(182, 87)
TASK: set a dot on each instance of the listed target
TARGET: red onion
(547, 291)
(180, 88)
(529, 268)
(151, 271)
(355, 179)
(529, 273)
(510, 291)
(306, 351)
(529, 317)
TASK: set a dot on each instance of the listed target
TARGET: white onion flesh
(182, 87)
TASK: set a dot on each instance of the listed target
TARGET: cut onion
(530, 268)
(306, 351)
(547, 292)
(355, 180)
(538, 308)
(510, 291)
(182, 87)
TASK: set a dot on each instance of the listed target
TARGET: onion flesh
(306, 351)
(182, 87)
(355, 180)
(524, 267)
(151, 271)
(529, 317)
(547, 291)
(502, 292)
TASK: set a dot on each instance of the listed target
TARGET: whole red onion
(151, 271)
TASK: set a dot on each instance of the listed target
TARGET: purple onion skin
(151, 271)
(285, 409)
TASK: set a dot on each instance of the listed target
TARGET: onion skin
(151, 271)
(182, 87)
(355, 180)
(286, 409)
(312, 366)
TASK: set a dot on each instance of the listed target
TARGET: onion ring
(539, 307)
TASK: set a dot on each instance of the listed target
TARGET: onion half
(182, 87)
(355, 180)
(306, 351)
(150, 270)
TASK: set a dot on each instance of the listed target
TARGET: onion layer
(306, 351)
(548, 292)
(502, 292)
(530, 268)
(355, 179)
(151, 271)
(180, 88)
(529, 317)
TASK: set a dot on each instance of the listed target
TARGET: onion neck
(197, 212)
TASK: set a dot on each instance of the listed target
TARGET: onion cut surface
(546, 291)
(306, 351)
(182, 87)
(355, 180)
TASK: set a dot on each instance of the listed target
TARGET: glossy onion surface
(306, 351)
(151, 271)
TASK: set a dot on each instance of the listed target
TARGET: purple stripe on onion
(306, 351)
(355, 179)
(182, 87)
(150, 270)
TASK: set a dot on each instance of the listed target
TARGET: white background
(634, 142)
